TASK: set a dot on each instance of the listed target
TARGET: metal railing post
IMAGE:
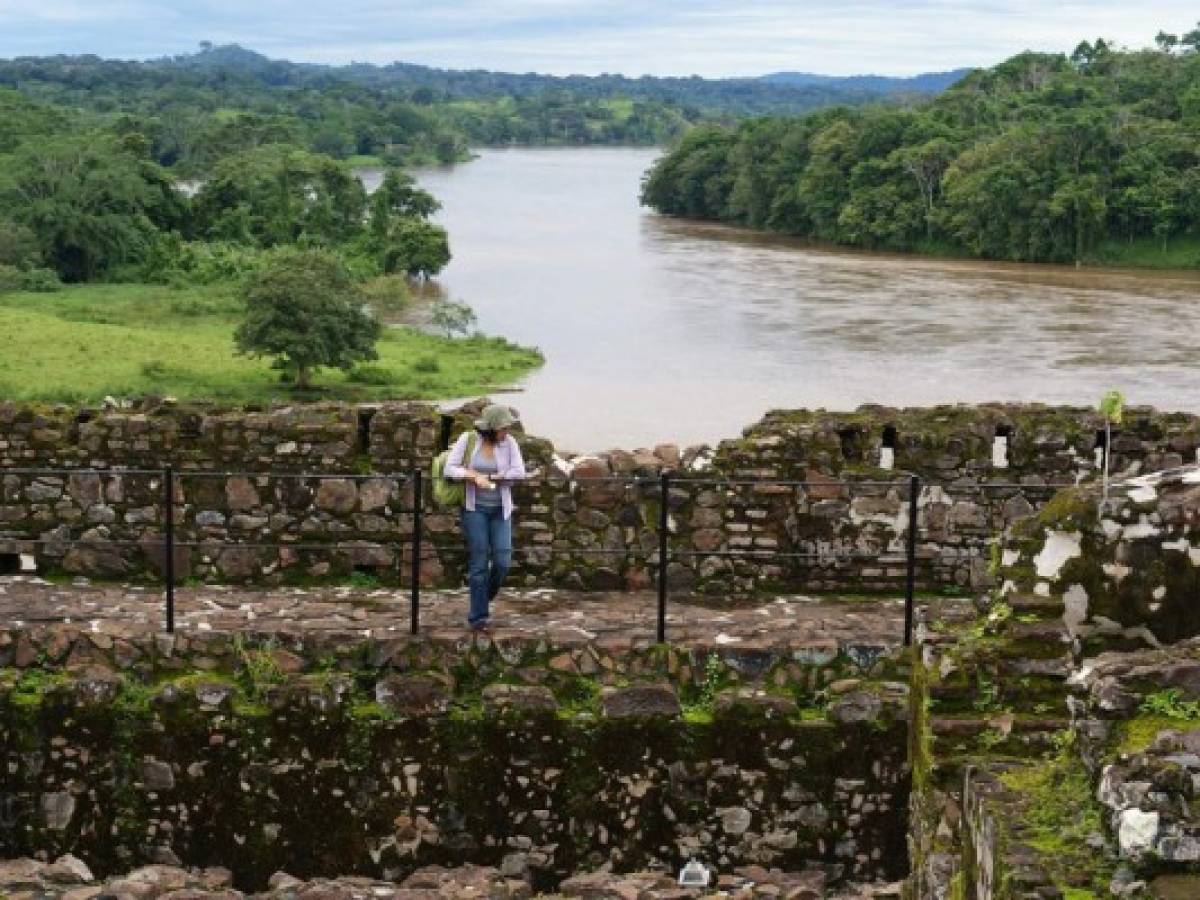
(663, 525)
(910, 588)
(169, 544)
(418, 495)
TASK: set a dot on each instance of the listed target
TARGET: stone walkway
(616, 620)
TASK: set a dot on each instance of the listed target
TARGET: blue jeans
(489, 556)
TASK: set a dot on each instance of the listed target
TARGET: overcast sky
(658, 37)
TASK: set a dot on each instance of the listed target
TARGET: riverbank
(90, 341)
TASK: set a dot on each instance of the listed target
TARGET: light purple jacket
(509, 465)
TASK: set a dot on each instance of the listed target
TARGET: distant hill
(781, 93)
(926, 83)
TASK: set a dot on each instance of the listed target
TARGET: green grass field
(87, 342)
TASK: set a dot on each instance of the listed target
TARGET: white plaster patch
(1110, 528)
(727, 639)
(1075, 607)
(1193, 477)
(1010, 558)
(1139, 531)
(28, 562)
(1159, 592)
(1009, 587)
(1181, 545)
(1042, 589)
(1060, 546)
(1137, 831)
(1194, 556)
(1143, 494)
(1000, 452)
(1116, 571)
(887, 458)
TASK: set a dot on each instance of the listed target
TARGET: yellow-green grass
(87, 342)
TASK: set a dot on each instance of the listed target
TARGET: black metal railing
(173, 479)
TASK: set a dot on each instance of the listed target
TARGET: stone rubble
(69, 879)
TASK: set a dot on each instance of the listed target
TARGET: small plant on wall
(1112, 407)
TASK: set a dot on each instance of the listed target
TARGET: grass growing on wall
(90, 341)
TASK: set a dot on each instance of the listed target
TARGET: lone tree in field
(305, 310)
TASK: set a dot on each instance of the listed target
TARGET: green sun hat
(496, 417)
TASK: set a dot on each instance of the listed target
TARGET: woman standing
(487, 508)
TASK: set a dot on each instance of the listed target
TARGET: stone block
(640, 700)
(518, 698)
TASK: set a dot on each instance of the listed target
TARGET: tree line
(1045, 157)
(84, 201)
(196, 108)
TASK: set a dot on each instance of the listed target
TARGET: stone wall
(984, 467)
(335, 754)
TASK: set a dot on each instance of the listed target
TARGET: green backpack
(451, 493)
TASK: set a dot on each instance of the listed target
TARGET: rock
(282, 881)
(735, 819)
(755, 703)
(69, 869)
(1137, 831)
(240, 494)
(374, 494)
(640, 700)
(1175, 887)
(337, 495)
(857, 706)
(214, 695)
(412, 694)
(57, 809)
(157, 775)
(518, 697)
(238, 562)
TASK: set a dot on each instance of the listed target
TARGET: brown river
(661, 330)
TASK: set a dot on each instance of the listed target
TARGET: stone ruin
(1041, 741)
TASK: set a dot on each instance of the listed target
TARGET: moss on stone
(1058, 812)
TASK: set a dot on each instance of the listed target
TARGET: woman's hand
(482, 481)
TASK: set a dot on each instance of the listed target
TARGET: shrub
(388, 293)
(41, 281)
(452, 318)
(375, 375)
(427, 364)
(11, 278)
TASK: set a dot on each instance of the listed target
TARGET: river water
(665, 330)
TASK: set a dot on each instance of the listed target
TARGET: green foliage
(279, 194)
(90, 201)
(452, 317)
(1169, 703)
(304, 310)
(195, 110)
(427, 365)
(1040, 158)
(388, 293)
(369, 374)
(414, 247)
(18, 245)
(259, 669)
(1112, 406)
(364, 580)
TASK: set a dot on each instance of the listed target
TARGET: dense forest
(1093, 156)
(195, 108)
